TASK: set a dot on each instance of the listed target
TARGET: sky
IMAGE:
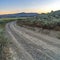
(36, 6)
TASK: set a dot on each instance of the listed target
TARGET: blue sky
(14, 6)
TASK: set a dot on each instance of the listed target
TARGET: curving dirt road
(31, 45)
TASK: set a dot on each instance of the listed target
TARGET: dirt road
(31, 45)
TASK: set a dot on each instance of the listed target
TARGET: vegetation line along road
(4, 43)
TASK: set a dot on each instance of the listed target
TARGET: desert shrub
(45, 21)
(57, 28)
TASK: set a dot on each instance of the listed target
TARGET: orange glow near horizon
(26, 11)
(7, 12)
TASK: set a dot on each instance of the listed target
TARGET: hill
(18, 15)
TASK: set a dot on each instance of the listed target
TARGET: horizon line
(6, 13)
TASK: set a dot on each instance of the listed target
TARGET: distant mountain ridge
(55, 14)
(19, 15)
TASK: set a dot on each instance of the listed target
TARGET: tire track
(34, 47)
(26, 55)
